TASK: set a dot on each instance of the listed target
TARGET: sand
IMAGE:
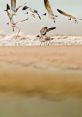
(46, 71)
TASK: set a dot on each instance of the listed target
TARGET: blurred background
(32, 26)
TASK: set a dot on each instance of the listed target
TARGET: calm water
(36, 107)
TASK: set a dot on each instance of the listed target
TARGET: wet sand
(47, 71)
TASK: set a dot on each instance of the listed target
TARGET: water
(37, 107)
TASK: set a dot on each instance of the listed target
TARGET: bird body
(44, 30)
(43, 34)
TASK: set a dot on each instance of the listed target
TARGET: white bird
(11, 21)
(31, 12)
(71, 17)
(49, 10)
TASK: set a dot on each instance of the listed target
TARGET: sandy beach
(47, 71)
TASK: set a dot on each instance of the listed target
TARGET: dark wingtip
(59, 11)
(54, 27)
(25, 7)
(45, 14)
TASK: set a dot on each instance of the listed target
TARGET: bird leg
(18, 32)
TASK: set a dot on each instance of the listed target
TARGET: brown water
(36, 107)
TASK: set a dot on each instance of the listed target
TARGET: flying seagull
(49, 10)
(31, 12)
(11, 20)
(43, 34)
(44, 31)
(71, 17)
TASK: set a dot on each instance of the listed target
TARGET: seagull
(71, 17)
(31, 12)
(43, 34)
(44, 30)
(11, 21)
(49, 10)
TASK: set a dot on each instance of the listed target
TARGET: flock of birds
(12, 10)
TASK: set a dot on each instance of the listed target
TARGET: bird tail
(52, 28)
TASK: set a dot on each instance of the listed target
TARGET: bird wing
(21, 21)
(7, 7)
(48, 7)
(13, 5)
(24, 8)
(52, 28)
(65, 14)
(35, 11)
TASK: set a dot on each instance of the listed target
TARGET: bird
(49, 10)
(11, 21)
(43, 34)
(44, 31)
(71, 17)
(31, 12)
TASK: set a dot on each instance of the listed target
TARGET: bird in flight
(44, 31)
(31, 12)
(71, 17)
(49, 10)
(12, 23)
(43, 34)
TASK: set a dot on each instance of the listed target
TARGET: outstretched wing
(52, 28)
(13, 5)
(35, 11)
(7, 7)
(65, 14)
(21, 21)
(48, 7)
